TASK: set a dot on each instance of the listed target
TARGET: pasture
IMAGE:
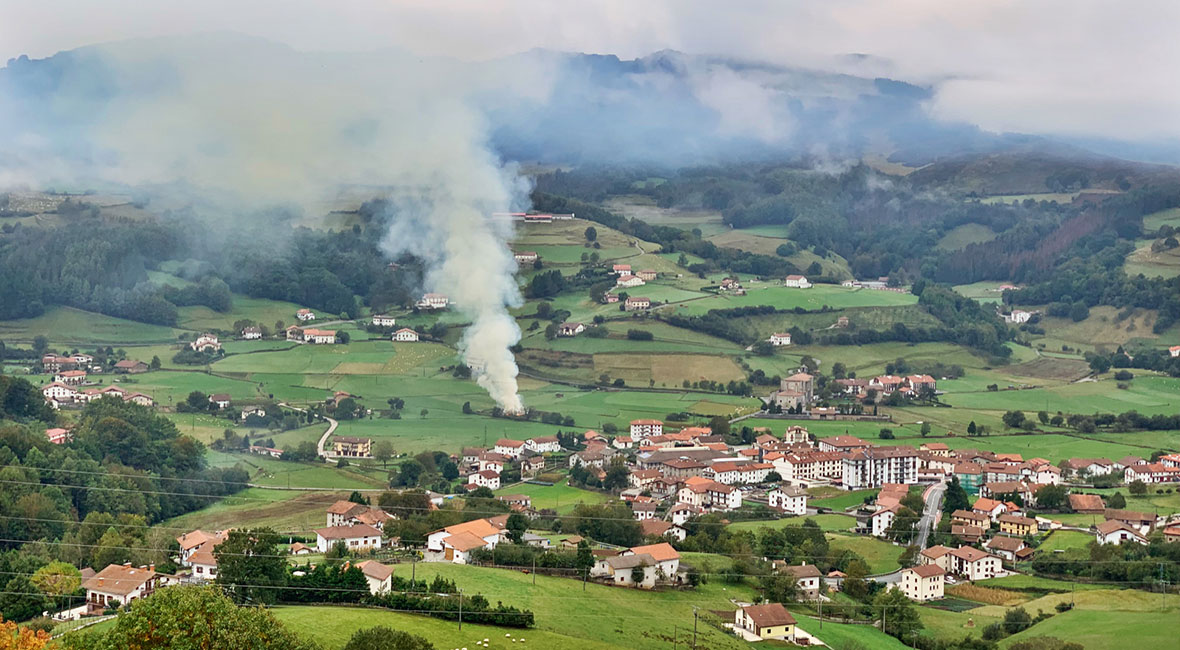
(814, 298)
(561, 497)
(66, 326)
(881, 556)
(962, 236)
(831, 523)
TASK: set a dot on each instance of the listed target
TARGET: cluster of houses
(732, 285)
(73, 368)
(884, 385)
(60, 394)
(433, 301)
(482, 467)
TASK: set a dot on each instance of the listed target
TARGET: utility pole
(460, 610)
(695, 615)
(534, 570)
(414, 567)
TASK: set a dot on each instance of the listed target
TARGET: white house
(1117, 532)
(206, 343)
(629, 281)
(881, 520)
(636, 303)
(510, 448)
(525, 257)
(973, 564)
(251, 333)
(455, 543)
(319, 337)
(59, 392)
(383, 320)
(543, 444)
(621, 269)
(485, 478)
(1174, 351)
(379, 576)
(788, 499)
(570, 329)
(118, 585)
(405, 335)
(204, 563)
(778, 339)
(922, 583)
(1017, 316)
(355, 536)
(433, 301)
(767, 621)
(1151, 473)
(796, 281)
(305, 315)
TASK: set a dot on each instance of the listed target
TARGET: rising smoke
(249, 124)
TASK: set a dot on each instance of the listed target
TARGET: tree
(1043, 417)
(383, 451)
(1117, 501)
(1013, 419)
(955, 497)
(616, 477)
(854, 585)
(591, 233)
(21, 600)
(1137, 488)
(1099, 363)
(384, 638)
(637, 574)
(250, 566)
(184, 617)
(155, 364)
(971, 428)
(1017, 620)
(423, 413)
(57, 579)
(13, 637)
(905, 523)
(40, 344)
(343, 337)
(1051, 496)
(516, 525)
(925, 430)
(467, 408)
(763, 349)
(357, 497)
(898, 616)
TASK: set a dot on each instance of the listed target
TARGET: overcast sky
(1074, 67)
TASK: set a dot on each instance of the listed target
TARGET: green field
(1105, 620)
(1065, 539)
(961, 236)
(74, 327)
(843, 501)
(260, 310)
(816, 297)
(560, 497)
(285, 511)
(832, 522)
(1147, 394)
(881, 556)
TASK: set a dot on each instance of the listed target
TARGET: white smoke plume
(246, 124)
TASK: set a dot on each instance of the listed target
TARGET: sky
(1065, 67)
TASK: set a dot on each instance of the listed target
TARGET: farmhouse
(1140, 521)
(119, 584)
(58, 392)
(779, 339)
(405, 335)
(806, 578)
(628, 281)
(510, 448)
(356, 537)
(1090, 504)
(1174, 351)
(204, 563)
(320, 337)
(432, 301)
(621, 269)
(922, 583)
(646, 275)
(636, 304)
(206, 343)
(130, 367)
(609, 298)
(525, 257)
(1151, 473)
(384, 320)
(222, 400)
(1008, 548)
(352, 447)
(797, 282)
(251, 333)
(343, 513)
(1117, 532)
(770, 621)
(304, 315)
(70, 377)
(57, 435)
(570, 329)
(455, 543)
(543, 444)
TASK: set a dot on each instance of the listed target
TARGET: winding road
(332, 424)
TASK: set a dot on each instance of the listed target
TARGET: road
(332, 424)
(930, 513)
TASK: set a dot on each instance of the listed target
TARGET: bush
(639, 335)
(384, 638)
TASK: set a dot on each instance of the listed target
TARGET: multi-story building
(874, 466)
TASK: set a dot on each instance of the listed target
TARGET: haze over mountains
(667, 108)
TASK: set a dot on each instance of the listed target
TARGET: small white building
(788, 499)
(383, 320)
(251, 333)
(1117, 532)
(881, 520)
(543, 444)
(628, 281)
(206, 343)
(405, 335)
(319, 337)
(797, 282)
(510, 448)
(118, 585)
(304, 315)
(779, 339)
(379, 576)
(570, 329)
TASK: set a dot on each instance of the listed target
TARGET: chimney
(152, 567)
